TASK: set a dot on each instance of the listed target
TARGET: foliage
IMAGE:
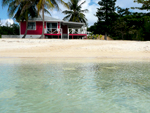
(18, 10)
(126, 26)
(23, 8)
(100, 36)
(145, 5)
(116, 22)
(92, 36)
(47, 4)
(75, 12)
(9, 30)
(106, 15)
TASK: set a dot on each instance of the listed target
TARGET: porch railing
(53, 31)
(77, 31)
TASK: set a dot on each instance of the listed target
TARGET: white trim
(68, 32)
(73, 23)
(20, 29)
(31, 29)
(60, 24)
(51, 22)
(31, 36)
(61, 33)
(46, 27)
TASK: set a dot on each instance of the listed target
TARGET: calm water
(32, 86)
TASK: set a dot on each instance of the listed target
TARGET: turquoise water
(39, 86)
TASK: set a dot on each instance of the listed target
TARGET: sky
(91, 5)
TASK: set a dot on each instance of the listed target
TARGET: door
(64, 31)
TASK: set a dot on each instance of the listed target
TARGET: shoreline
(57, 48)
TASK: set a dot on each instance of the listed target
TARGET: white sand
(74, 48)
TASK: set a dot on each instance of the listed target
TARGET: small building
(53, 28)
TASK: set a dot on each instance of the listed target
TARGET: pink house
(53, 28)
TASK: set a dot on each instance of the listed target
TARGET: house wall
(65, 29)
(31, 36)
(38, 31)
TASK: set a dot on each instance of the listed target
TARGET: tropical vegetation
(113, 21)
(9, 30)
(75, 12)
(122, 24)
(24, 9)
(48, 4)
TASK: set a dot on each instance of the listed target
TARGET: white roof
(46, 18)
(51, 19)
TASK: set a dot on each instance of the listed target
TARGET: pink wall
(44, 25)
(38, 30)
(39, 26)
(58, 25)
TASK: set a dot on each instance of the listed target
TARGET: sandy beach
(52, 48)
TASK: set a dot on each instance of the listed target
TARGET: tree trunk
(105, 36)
(137, 35)
(122, 36)
(26, 29)
(43, 20)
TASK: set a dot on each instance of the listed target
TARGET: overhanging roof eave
(73, 24)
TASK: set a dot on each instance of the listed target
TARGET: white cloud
(92, 11)
(127, 3)
(6, 21)
(90, 15)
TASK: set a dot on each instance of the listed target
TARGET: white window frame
(51, 22)
(35, 26)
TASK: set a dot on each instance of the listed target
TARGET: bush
(101, 36)
(92, 36)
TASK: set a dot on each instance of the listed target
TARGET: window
(31, 26)
(52, 25)
(52, 28)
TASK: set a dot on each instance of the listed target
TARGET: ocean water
(31, 85)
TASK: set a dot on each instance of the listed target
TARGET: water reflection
(31, 86)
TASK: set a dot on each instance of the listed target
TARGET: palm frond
(75, 13)
(67, 17)
(46, 11)
(67, 12)
(84, 11)
(12, 9)
(82, 3)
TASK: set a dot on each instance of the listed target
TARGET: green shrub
(92, 36)
(101, 36)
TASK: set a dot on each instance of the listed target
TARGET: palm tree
(22, 10)
(47, 4)
(75, 12)
(15, 10)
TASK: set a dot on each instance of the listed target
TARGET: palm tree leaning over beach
(48, 4)
(20, 15)
(15, 10)
(75, 12)
(41, 5)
